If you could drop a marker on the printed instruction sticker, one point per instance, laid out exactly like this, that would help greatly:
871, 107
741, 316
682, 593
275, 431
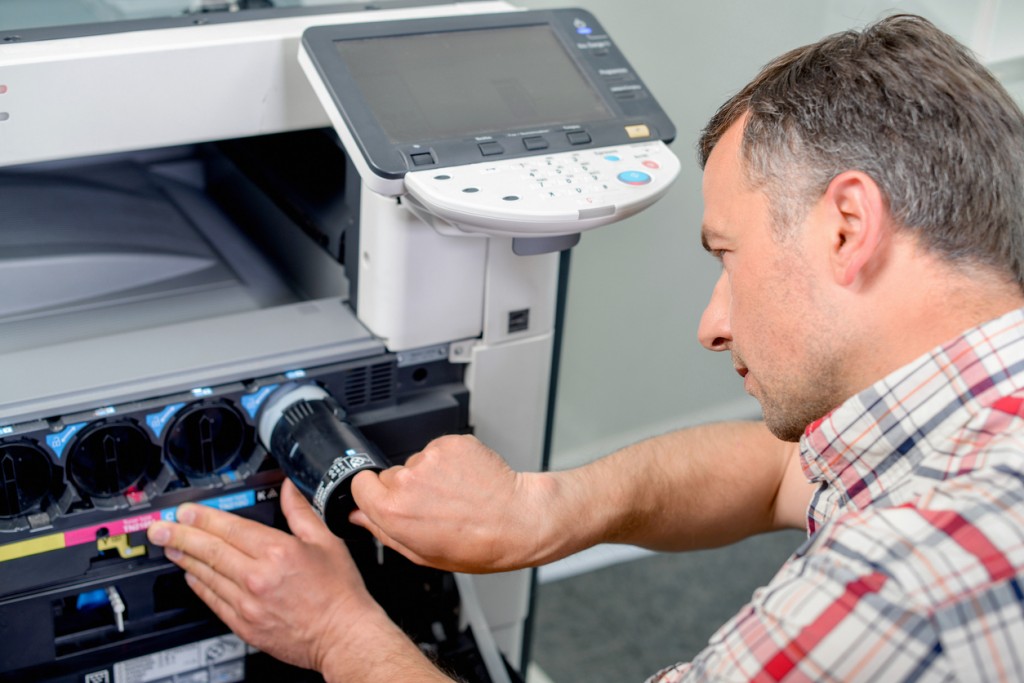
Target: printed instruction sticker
214, 659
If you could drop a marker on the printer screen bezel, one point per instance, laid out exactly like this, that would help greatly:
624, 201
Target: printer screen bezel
389, 159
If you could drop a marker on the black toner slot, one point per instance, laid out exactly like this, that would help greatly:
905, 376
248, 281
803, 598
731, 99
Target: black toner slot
207, 438
112, 458
26, 479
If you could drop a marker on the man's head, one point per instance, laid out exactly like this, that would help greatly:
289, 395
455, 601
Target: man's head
841, 159
909, 106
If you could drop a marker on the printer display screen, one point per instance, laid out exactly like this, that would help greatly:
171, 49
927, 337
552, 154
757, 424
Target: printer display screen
464, 83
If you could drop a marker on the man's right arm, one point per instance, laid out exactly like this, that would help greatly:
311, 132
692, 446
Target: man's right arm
458, 506
695, 488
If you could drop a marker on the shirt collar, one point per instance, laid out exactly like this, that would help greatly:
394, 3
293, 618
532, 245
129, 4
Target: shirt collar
869, 443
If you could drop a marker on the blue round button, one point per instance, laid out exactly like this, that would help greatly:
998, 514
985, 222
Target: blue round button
634, 177
611, 157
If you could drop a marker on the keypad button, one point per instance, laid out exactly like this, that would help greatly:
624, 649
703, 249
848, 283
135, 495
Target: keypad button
634, 177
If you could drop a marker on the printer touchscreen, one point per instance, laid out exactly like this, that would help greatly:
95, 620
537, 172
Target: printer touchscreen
422, 87
526, 124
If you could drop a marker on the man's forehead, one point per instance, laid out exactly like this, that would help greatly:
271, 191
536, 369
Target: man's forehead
732, 206
723, 172
727, 151
723, 184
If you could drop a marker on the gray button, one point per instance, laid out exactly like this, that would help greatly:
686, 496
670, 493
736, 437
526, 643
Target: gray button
422, 159
578, 137
491, 148
535, 142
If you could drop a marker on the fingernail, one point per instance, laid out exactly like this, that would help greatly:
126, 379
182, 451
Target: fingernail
173, 554
159, 534
186, 514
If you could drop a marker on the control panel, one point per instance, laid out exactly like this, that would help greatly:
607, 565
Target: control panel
524, 124
581, 189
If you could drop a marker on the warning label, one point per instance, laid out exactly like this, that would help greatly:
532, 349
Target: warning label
215, 660
342, 468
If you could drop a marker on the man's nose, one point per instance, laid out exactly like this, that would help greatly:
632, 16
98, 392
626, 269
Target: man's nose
715, 331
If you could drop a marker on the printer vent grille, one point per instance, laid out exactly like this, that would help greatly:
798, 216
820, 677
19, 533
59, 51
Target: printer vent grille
369, 384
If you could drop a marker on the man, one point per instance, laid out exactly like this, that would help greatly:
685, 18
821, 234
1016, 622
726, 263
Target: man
864, 195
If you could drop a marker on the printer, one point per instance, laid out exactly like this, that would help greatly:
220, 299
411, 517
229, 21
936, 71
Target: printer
213, 210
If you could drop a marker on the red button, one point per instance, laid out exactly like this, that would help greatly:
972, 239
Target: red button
651, 164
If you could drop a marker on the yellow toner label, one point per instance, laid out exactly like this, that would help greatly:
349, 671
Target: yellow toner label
32, 546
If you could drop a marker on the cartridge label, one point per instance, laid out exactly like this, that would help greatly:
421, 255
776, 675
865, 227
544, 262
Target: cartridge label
214, 659
127, 525
342, 468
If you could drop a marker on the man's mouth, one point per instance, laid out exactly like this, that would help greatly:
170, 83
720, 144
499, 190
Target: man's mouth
744, 372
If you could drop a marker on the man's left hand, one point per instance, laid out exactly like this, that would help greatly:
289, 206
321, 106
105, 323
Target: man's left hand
297, 597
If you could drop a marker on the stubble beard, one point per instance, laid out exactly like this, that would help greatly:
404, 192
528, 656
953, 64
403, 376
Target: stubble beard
789, 404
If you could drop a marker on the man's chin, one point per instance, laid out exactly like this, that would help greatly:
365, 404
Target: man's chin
784, 427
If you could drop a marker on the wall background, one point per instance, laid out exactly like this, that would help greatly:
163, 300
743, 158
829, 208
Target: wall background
631, 363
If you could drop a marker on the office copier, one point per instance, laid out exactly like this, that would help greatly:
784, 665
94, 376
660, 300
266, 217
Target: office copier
214, 211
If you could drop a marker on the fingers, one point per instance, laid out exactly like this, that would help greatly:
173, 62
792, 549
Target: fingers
370, 494
220, 549
302, 518
245, 534
447, 507
214, 568
210, 584
280, 592
221, 607
192, 546
228, 543
360, 518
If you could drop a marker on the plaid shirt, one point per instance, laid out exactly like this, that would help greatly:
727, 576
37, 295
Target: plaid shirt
914, 565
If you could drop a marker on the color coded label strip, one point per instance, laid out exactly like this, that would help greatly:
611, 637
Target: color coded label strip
67, 539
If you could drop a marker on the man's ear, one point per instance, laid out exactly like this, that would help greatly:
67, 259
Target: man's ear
859, 223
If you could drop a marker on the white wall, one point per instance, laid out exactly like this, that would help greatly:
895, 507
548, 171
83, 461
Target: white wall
631, 363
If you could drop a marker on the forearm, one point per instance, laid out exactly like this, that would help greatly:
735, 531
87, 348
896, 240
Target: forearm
386, 655
695, 488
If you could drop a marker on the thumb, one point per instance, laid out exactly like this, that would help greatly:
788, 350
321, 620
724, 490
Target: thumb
370, 493
367, 488
367, 491
302, 519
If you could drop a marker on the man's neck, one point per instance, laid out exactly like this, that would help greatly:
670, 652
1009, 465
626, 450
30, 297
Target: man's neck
921, 306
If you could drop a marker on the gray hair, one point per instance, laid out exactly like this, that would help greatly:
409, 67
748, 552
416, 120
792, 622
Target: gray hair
909, 106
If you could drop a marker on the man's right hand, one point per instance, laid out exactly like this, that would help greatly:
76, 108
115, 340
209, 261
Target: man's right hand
458, 506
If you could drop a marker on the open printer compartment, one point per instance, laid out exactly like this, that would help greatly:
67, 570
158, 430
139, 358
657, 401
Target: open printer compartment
153, 300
